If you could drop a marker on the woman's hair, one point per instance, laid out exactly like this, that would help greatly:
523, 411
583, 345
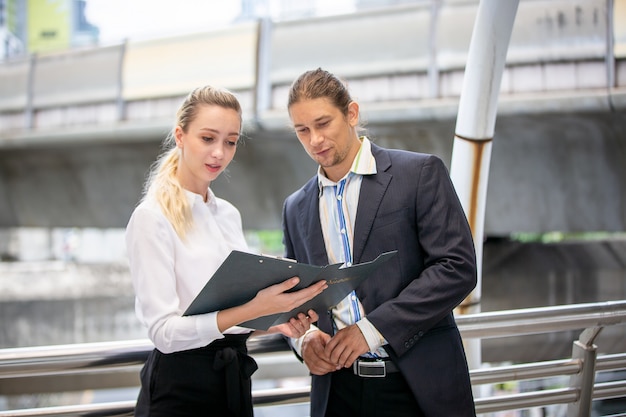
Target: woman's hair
162, 183
320, 84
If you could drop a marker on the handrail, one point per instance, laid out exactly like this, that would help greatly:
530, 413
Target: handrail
72, 358
31, 364
541, 319
44, 360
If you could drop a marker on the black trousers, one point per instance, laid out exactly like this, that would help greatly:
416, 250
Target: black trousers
209, 381
355, 396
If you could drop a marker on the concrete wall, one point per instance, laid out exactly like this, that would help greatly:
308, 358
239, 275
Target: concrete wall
549, 172
79, 129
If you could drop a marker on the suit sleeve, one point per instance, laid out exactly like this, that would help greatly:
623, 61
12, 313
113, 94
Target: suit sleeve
447, 271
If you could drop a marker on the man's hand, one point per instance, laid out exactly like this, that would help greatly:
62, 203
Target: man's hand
313, 353
346, 346
296, 326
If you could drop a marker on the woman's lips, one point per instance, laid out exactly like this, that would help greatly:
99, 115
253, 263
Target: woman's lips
213, 168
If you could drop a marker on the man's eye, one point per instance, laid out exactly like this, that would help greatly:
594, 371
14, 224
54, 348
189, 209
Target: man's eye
303, 130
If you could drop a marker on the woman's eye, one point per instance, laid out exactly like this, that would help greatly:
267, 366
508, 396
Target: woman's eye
231, 143
207, 138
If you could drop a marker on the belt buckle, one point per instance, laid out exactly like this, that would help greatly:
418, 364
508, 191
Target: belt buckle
370, 369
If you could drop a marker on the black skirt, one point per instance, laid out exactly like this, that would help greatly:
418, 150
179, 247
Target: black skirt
209, 381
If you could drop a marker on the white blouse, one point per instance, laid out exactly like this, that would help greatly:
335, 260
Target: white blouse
168, 273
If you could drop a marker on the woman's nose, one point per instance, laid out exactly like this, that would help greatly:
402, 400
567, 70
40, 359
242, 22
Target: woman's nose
218, 151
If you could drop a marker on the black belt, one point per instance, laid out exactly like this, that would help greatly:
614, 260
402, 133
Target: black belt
374, 368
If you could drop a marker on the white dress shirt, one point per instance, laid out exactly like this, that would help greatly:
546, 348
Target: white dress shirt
168, 273
338, 230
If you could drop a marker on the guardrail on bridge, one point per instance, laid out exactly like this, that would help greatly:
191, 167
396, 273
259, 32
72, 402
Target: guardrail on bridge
116, 364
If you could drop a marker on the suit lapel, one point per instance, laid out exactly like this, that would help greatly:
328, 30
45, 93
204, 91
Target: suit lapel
373, 189
309, 219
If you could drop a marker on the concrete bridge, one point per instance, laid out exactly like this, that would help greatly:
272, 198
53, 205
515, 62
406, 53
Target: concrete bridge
79, 129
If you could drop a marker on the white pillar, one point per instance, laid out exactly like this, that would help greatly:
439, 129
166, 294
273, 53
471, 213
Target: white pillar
471, 151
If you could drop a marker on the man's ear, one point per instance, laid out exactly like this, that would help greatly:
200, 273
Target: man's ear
353, 113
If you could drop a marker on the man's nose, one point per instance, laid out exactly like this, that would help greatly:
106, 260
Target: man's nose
316, 137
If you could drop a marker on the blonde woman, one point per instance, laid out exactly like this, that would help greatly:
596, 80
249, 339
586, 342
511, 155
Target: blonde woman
176, 239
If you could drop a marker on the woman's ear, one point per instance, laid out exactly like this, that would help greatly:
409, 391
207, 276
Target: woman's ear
178, 136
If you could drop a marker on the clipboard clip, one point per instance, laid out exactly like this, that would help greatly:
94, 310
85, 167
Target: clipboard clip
278, 257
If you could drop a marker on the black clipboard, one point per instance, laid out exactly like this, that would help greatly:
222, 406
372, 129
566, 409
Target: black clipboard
242, 275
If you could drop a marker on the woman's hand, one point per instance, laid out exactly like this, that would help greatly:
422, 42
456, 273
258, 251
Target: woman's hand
296, 326
274, 299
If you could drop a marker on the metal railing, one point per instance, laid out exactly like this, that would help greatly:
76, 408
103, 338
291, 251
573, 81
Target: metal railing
116, 364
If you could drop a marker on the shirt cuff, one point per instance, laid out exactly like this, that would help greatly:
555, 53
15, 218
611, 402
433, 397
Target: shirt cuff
206, 326
372, 336
296, 344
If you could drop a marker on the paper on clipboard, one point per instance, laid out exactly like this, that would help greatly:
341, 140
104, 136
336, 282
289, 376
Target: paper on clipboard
242, 275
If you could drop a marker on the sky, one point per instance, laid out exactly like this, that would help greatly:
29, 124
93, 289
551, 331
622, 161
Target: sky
144, 19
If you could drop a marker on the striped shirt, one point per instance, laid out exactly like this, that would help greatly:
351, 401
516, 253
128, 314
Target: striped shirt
338, 203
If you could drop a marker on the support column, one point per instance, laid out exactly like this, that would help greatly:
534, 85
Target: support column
471, 151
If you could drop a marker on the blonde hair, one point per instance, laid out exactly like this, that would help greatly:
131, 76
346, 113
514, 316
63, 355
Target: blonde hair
162, 183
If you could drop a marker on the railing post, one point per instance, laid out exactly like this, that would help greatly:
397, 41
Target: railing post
586, 351
433, 64
29, 111
120, 104
263, 82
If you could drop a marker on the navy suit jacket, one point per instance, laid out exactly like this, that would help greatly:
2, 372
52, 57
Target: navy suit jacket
409, 205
